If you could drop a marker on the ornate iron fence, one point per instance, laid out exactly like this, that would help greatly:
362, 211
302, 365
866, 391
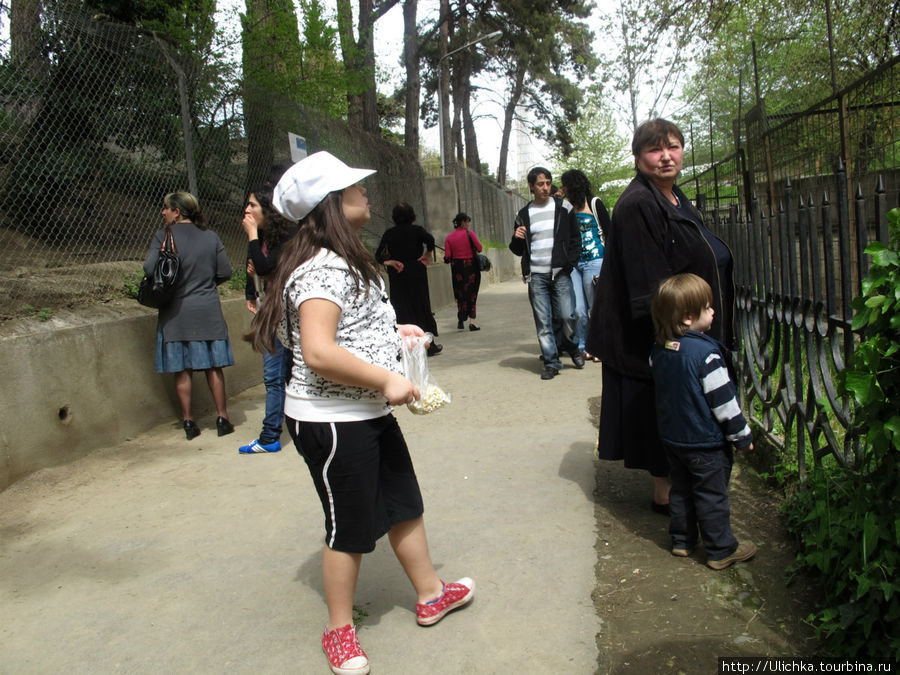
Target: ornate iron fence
795, 280
798, 201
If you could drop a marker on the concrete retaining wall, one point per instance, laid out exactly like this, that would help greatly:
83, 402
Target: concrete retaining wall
87, 382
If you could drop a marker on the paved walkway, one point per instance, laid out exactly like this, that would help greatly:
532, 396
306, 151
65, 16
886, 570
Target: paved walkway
164, 556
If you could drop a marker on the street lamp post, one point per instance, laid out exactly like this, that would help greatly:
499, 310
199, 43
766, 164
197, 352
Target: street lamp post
442, 113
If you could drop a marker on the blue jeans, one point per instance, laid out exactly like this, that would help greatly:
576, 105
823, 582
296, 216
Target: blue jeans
276, 371
553, 306
583, 275
699, 498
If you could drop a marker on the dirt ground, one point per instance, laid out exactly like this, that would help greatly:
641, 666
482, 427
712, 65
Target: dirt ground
662, 614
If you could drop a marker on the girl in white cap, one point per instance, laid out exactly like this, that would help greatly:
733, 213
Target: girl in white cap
341, 328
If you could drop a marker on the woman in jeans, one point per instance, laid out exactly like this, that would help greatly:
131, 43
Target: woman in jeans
267, 230
592, 221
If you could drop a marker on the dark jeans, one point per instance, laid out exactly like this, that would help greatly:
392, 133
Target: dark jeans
276, 371
699, 498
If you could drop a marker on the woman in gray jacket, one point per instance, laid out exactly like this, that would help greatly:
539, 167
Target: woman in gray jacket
191, 333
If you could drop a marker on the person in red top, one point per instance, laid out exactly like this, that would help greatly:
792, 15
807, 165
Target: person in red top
460, 247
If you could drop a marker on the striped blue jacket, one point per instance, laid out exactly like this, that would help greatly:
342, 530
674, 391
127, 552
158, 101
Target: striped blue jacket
696, 401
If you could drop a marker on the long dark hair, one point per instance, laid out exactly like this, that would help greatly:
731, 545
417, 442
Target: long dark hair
578, 188
461, 218
277, 229
325, 227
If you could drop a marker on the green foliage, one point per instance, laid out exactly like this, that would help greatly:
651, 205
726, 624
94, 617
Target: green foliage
42, 314
599, 150
132, 283
238, 280
849, 520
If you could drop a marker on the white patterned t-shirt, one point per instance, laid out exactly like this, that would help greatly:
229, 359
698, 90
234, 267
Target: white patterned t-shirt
367, 327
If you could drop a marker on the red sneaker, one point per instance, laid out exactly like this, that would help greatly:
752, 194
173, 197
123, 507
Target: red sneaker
344, 653
454, 596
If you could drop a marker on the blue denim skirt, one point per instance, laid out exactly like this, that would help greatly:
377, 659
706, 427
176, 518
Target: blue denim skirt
173, 357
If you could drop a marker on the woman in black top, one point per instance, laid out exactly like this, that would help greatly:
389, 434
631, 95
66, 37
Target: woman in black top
405, 250
267, 230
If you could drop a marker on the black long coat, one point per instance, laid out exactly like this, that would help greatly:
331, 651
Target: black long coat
648, 241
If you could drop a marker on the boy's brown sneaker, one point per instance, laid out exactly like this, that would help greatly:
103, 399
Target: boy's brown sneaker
744, 551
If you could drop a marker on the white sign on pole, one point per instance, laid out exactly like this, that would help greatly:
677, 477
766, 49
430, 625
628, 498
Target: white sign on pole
298, 147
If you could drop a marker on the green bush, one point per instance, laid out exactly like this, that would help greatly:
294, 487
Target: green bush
238, 278
132, 283
848, 520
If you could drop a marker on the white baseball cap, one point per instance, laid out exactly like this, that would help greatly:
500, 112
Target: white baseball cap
310, 180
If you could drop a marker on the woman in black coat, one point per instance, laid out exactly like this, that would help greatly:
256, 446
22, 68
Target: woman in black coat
405, 250
655, 233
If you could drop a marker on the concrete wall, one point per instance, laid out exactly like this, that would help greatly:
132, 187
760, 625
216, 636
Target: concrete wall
87, 382
492, 209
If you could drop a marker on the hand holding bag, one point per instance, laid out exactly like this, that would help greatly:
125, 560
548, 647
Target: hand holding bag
156, 290
414, 357
484, 263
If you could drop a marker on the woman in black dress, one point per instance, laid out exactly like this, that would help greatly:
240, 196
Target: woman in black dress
405, 251
655, 233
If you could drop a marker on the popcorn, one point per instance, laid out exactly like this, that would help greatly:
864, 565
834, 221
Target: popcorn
433, 398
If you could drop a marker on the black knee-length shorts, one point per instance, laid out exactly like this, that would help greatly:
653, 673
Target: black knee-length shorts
364, 476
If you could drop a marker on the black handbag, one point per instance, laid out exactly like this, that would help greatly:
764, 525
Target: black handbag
156, 290
484, 263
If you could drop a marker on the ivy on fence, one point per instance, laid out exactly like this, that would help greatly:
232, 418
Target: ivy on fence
848, 522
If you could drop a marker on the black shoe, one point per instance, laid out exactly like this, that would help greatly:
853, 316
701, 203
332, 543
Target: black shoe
661, 509
191, 430
549, 373
460, 324
224, 426
435, 349
577, 358
472, 326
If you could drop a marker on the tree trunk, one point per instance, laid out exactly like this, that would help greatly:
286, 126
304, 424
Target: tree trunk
366, 49
444, 86
352, 64
455, 130
270, 44
508, 116
413, 82
25, 36
471, 140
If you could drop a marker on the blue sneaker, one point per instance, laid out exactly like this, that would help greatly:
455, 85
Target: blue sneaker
255, 446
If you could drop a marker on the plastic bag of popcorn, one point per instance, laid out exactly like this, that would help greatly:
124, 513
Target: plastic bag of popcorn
415, 368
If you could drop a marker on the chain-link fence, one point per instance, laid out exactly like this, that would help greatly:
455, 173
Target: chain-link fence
92, 135
104, 120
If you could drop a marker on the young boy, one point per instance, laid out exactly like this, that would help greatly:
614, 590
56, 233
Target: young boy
699, 420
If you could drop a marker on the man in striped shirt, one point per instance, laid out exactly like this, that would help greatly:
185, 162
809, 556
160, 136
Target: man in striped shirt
549, 244
699, 418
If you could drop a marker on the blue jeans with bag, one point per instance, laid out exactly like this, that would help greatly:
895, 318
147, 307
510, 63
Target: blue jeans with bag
583, 275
